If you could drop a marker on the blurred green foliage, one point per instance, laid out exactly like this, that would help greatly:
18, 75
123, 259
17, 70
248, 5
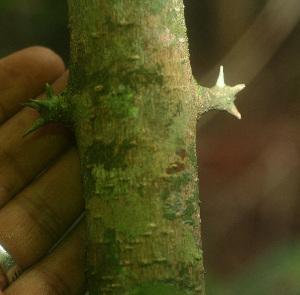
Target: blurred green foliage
34, 22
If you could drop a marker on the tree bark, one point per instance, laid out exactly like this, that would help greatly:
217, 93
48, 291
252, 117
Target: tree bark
133, 106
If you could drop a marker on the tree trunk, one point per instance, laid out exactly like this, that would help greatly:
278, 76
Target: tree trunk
133, 104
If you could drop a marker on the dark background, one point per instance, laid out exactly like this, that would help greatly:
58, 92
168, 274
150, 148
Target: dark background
249, 169
34, 22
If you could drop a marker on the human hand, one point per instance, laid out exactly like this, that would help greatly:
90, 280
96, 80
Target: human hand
36, 210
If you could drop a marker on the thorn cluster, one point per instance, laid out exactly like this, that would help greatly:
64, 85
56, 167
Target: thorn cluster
49, 109
221, 96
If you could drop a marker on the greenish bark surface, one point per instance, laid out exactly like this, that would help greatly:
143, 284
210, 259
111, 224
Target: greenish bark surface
133, 105
133, 102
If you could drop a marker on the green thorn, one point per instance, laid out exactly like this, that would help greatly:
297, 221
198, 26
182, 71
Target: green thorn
35, 104
41, 104
49, 90
30, 105
49, 109
36, 125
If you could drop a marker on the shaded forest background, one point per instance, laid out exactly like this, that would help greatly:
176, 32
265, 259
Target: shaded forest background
249, 170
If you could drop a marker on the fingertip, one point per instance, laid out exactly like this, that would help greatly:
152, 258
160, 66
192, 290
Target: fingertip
35, 65
50, 64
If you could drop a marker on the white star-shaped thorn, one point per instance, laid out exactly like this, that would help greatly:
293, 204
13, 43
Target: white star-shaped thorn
225, 95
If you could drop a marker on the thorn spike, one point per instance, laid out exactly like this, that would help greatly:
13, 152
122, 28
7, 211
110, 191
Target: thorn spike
49, 90
234, 111
39, 103
30, 105
238, 88
220, 81
36, 125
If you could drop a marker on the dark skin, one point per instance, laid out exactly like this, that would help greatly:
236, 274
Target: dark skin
36, 211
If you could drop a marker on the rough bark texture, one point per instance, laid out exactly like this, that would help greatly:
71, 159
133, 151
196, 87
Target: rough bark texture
133, 105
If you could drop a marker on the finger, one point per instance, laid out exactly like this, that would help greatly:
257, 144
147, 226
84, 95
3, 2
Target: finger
23, 75
37, 217
22, 159
60, 273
